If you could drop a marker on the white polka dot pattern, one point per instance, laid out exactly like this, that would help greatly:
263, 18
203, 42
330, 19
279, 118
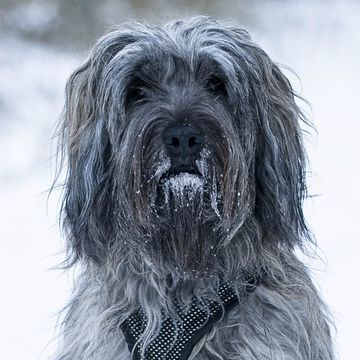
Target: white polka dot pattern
176, 339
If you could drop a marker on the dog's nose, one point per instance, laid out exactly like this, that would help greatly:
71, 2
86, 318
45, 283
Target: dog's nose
183, 140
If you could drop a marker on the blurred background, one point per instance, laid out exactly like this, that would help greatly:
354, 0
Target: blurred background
43, 41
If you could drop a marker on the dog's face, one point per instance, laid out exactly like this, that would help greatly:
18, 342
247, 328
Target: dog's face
184, 151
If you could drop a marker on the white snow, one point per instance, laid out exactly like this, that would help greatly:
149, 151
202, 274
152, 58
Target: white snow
31, 96
163, 167
321, 42
183, 187
202, 165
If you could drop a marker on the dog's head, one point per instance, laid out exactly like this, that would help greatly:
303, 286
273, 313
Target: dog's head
184, 150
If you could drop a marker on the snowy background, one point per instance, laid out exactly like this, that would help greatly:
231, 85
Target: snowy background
41, 42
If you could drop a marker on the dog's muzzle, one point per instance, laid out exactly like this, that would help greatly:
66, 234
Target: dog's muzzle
183, 143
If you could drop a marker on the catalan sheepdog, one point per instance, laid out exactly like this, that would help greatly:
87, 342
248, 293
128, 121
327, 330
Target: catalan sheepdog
182, 204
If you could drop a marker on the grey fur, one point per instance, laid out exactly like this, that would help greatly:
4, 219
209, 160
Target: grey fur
135, 244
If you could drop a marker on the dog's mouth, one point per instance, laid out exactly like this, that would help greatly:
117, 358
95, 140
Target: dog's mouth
182, 185
187, 185
179, 172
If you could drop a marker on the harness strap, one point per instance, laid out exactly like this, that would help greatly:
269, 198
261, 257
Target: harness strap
177, 339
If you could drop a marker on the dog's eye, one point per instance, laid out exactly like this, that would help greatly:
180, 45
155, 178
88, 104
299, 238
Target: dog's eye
216, 86
135, 93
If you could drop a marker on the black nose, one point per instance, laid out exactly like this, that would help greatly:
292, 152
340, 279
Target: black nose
183, 140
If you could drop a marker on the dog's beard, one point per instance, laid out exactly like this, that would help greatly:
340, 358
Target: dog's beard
187, 207
186, 190
183, 189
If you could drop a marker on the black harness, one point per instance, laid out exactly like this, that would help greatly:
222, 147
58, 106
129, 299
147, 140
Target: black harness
176, 340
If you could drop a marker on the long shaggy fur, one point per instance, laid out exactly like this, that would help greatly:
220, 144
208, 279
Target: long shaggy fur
139, 242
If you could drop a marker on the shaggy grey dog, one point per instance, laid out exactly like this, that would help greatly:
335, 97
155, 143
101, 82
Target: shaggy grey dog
183, 201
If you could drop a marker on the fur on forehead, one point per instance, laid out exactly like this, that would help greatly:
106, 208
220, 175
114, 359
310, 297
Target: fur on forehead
181, 51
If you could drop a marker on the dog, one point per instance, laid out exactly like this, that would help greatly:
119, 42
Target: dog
182, 203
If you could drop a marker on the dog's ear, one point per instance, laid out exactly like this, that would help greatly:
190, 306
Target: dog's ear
86, 145
280, 158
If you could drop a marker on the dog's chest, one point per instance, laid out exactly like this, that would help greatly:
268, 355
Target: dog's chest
179, 337
176, 339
